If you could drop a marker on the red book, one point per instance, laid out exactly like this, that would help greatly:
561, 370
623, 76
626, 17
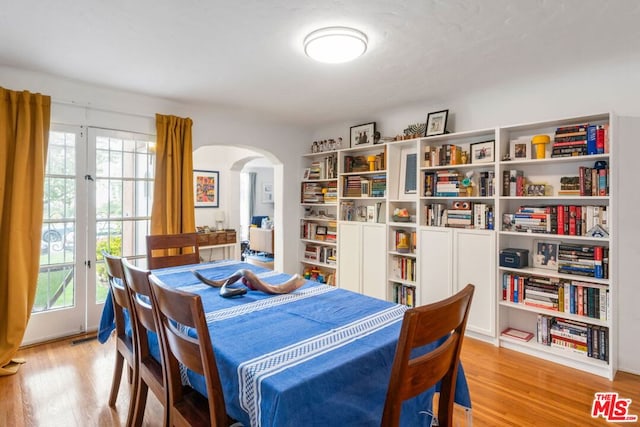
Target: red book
560, 219
572, 220
517, 334
580, 301
600, 140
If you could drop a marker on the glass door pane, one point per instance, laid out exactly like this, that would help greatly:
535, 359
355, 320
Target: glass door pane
124, 169
58, 308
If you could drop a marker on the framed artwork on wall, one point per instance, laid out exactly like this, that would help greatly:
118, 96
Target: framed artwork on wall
267, 193
206, 185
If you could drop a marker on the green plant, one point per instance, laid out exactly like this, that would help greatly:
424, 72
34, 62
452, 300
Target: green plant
113, 246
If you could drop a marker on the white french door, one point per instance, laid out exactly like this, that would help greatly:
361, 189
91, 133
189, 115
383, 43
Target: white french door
98, 192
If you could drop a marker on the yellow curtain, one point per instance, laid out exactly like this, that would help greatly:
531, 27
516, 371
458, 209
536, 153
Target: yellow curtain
24, 138
173, 206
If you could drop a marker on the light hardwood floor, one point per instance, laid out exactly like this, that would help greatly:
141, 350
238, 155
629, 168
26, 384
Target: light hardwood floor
68, 385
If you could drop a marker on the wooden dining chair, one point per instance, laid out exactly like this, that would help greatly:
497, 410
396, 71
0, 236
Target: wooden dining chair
187, 407
445, 322
125, 343
169, 250
151, 373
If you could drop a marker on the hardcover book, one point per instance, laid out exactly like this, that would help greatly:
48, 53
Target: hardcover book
517, 334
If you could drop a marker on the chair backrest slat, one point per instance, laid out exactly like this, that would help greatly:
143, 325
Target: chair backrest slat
170, 250
444, 323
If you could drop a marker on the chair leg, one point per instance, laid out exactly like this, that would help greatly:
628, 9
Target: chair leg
117, 375
131, 413
139, 403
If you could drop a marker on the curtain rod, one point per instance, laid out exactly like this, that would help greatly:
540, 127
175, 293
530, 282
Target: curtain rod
101, 109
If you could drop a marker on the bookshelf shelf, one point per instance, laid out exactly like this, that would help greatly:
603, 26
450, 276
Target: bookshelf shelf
531, 271
564, 315
319, 242
557, 355
562, 160
403, 281
319, 264
317, 218
567, 237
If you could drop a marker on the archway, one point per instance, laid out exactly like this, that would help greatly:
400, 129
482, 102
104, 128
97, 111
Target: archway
229, 161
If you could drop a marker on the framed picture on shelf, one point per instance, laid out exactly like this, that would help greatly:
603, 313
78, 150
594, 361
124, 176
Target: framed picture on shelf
436, 123
535, 190
307, 173
483, 152
545, 254
365, 188
363, 135
408, 174
520, 149
206, 187
321, 230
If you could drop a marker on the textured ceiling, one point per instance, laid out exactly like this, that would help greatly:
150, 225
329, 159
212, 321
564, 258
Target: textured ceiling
248, 54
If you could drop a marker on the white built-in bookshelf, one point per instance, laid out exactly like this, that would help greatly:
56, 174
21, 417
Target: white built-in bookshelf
416, 220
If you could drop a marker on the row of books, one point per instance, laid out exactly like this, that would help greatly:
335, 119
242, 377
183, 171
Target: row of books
325, 168
314, 231
566, 296
593, 181
352, 186
330, 192
312, 192
577, 337
584, 260
580, 140
444, 155
473, 215
403, 268
358, 186
323, 254
404, 294
378, 185
570, 220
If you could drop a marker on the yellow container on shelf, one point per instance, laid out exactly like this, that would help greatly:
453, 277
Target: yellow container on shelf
540, 142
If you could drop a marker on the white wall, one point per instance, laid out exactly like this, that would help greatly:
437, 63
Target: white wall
264, 176
610, 87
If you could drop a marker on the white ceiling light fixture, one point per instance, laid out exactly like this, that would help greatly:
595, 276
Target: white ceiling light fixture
334, 45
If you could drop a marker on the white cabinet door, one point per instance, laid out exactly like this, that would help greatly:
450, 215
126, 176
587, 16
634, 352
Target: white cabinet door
349, 251
374, 282
435, 265
474, 262
361, 248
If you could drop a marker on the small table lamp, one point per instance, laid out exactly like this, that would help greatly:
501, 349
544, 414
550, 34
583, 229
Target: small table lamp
219, 218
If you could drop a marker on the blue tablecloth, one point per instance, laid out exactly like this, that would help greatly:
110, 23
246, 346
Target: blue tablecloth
316, 357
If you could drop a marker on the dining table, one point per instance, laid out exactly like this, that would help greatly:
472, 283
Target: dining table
318, 356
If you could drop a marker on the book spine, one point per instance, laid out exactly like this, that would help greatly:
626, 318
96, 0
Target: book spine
591, 139
600, 140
